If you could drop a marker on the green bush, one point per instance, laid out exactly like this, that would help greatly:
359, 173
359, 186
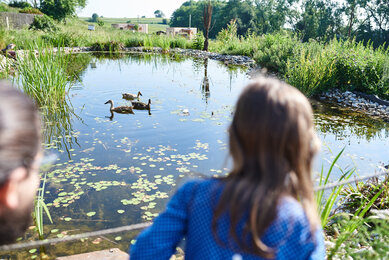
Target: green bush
43, 23
30, 10
198, 41
63, 39
4, 7
178, 42
312, 74
19, 4
274, 51
111, 46
100, 22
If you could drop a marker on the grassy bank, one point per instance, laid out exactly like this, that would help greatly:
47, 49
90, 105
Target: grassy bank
155, 24
312, 67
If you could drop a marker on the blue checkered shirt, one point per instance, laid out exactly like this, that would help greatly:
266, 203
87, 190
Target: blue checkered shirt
189, 215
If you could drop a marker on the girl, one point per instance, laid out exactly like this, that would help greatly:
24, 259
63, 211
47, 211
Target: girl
265, 207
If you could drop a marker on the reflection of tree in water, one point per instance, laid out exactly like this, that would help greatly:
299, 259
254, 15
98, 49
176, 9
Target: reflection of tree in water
345, 123
58, 130
205, 83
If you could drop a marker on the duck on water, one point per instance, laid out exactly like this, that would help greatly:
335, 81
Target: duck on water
120, 109
141, 105
131, 96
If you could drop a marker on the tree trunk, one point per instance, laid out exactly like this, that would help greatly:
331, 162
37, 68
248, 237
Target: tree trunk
207, 16
351, 21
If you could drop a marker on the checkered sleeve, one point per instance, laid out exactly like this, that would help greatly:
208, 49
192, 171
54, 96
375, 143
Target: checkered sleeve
161, 239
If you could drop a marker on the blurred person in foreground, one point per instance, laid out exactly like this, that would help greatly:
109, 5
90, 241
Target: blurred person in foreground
265, 207
20, 155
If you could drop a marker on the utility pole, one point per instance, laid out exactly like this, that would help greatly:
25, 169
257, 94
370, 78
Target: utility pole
190, 20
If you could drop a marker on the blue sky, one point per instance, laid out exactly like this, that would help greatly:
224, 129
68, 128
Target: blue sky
129, 8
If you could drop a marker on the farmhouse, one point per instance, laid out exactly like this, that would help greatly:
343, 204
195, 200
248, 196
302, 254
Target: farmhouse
187, 32
144, 28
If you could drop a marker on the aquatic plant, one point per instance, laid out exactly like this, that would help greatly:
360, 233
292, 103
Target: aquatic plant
41, 206
353, 197
326, 202
312, 74
352, 223
41, 74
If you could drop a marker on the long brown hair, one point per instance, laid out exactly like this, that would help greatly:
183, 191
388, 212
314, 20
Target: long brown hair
272, 144
20, 130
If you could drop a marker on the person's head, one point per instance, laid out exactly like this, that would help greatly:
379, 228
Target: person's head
20, 152
272, 143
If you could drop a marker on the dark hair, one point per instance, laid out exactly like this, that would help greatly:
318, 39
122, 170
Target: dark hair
20, 130
272, 144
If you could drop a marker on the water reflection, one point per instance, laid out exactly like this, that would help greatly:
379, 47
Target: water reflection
205, 83
344, 123
58, 131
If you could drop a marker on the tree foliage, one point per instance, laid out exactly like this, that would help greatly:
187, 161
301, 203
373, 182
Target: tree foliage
159, 14
60, 9
321, 20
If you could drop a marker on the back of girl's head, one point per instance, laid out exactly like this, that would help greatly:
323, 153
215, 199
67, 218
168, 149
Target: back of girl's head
272, 143
20, 134
272, 133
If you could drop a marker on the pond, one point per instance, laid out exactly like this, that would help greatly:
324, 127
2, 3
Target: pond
121, 169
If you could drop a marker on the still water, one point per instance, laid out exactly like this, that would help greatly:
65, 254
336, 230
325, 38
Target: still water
121, 169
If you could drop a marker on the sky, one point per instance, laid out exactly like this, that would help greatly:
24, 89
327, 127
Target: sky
129, 8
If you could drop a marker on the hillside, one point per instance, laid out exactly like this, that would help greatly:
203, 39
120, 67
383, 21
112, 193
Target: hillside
155, 24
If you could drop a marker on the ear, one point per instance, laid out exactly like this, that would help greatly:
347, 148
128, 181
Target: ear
9, 195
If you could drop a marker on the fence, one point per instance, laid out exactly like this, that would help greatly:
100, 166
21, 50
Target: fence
15, 20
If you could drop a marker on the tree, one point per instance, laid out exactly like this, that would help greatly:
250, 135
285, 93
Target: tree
60, 9
272, 15
95, 18
159, 14
320, 20
207, 19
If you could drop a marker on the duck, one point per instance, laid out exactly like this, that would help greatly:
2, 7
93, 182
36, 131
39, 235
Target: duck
141, 105
120, 109
131, 96
9, 52
9, 47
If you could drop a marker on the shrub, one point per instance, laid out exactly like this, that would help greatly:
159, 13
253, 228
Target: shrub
64, 39
178, 42
100, 22
274, 51
44, 23
30, 10
4, 7
312, 74
111, 46
164, 21
19, 4
198, 41
354, 197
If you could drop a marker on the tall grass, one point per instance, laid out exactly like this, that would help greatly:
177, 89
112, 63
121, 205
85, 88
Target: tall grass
40, 207
326, 202
311, 73
41, 74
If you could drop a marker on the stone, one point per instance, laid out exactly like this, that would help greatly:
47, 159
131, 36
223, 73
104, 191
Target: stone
108, 254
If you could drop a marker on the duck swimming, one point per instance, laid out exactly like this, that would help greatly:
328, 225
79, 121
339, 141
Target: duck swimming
131, 96
141, 105
120, 109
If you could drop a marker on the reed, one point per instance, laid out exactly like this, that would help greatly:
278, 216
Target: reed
41, 73
326, 202
40, 206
